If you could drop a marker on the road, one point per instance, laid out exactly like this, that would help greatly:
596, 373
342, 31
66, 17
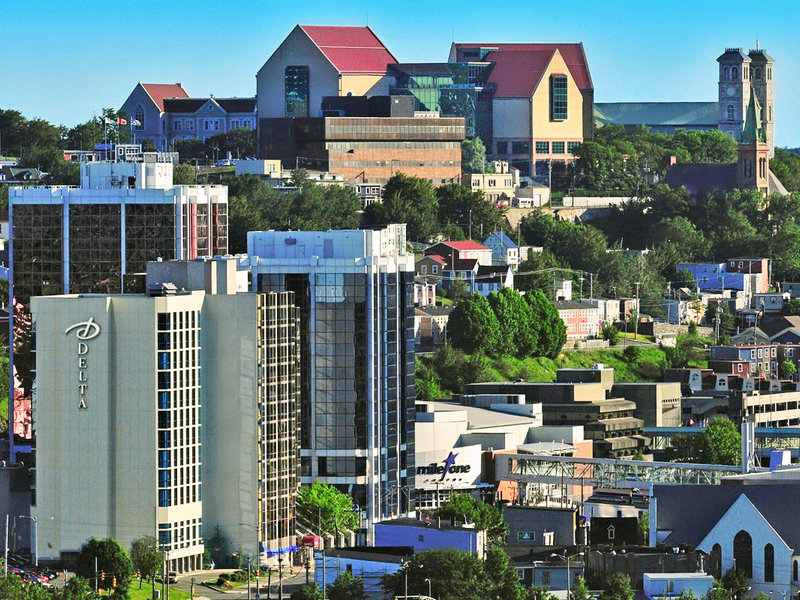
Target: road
290, 584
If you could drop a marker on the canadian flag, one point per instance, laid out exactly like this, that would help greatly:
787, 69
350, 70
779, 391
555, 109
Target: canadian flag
122, 121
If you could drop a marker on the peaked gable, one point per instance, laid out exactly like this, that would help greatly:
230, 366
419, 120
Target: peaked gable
351, 50
742, 514
159, 91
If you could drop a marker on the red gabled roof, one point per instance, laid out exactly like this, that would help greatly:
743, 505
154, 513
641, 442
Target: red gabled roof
159, 91
467, 245
437, 258
351, 49
519, 67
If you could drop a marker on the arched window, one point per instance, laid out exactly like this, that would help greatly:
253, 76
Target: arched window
726, 73
735, 72
716, 561
731, 113
769, 563
758, 73
743, 553
139, 116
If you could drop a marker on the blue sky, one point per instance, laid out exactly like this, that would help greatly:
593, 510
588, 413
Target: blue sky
64, 61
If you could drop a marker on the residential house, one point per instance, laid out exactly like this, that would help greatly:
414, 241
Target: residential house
581, 318
684, 307
628, 307
430, 325
770, 303
432, 264
562, 289
540, 107
751, 266
463, 269
145, 104
493, 279
498, 187
461, 250
781, 329
746, 525
19, 175
746, 360
665, 585
504, 250
424, 292
790, 353
608, 309
531, 195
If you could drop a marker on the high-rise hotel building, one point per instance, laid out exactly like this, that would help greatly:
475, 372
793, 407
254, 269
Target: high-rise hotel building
168, 414
353, 289
93, 237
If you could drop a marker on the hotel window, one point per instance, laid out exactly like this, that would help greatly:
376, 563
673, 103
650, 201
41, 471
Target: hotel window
558, 97
296, 91
572, 147
558, 147
542, 147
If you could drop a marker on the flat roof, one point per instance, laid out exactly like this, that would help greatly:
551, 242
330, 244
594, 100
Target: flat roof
479, 418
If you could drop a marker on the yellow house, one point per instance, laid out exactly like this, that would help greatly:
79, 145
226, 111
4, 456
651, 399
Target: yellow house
541, 106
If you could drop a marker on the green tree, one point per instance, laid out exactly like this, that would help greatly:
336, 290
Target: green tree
792, 307
618, 587
518, 329
456, 575
539, 592
721, 443
77, 588
553, 331
146, 558
323, 506
684, 278
473, 155
190, 149
347, 587
579, 591
460, 206
307, 592
412, 200
111, 559
467, 508
787, 369
473, 326
735, 582
611, 334
631, 354
458, 290
183, 174
426, 384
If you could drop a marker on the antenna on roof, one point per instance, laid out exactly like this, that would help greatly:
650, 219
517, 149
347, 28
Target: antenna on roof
367, 18
756, 43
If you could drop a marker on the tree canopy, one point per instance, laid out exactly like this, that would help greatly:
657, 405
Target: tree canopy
323, 507
467, 508
146, 557
719, 443
111, 560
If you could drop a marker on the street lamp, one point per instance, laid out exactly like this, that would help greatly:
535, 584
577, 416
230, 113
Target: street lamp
430, 593
35, 537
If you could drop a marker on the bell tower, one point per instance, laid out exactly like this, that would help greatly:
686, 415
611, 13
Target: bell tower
753, 151
761, 67
734, 90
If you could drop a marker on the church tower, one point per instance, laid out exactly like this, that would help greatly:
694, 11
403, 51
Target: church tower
761, 65
734, 90
753, 151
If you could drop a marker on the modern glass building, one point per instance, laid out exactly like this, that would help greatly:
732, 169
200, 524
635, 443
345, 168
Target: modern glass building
144, 402
95, 237
450, 89
353, 290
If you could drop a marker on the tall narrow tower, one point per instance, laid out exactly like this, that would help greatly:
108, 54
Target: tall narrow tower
761, 66
753, 151
734, 90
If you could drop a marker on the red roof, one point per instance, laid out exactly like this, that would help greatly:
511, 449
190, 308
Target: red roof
467, 245
436, 257
519, 67
159, 91
351, 49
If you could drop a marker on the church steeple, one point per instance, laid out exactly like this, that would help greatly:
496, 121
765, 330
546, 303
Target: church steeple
753, 151
753, 127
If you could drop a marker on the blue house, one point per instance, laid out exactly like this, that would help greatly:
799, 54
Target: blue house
504, 250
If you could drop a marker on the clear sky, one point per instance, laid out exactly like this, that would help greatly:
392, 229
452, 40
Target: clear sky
64, 61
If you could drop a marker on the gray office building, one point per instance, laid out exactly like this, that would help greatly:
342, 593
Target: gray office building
353, 290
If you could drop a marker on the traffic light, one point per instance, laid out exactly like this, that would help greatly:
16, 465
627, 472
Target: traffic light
102, 576
113, 582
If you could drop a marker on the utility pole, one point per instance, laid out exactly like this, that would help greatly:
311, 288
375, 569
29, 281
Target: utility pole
5, 563
280, 576
716, 322
636, 323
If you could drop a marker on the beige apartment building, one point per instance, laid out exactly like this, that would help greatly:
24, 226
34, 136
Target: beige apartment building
167, 414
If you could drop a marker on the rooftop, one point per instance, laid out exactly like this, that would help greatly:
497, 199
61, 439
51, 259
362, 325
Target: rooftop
159, 91
480, 418
351, 49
